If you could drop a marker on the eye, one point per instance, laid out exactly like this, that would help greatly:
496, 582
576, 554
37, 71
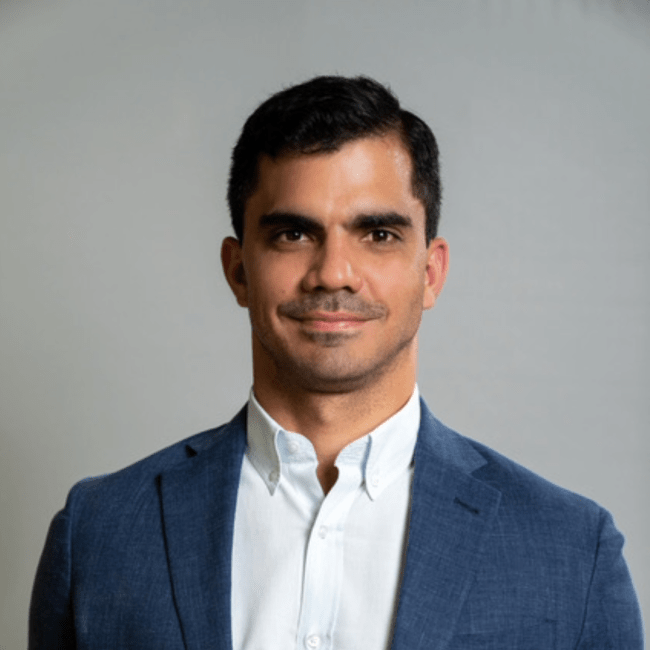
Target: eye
382, 236
292, 235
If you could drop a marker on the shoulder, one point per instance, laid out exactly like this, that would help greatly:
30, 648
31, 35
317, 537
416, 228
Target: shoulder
549, 508
523, 494
132, 483
538, 538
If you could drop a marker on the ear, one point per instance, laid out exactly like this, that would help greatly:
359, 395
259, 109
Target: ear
233, 269
436, 271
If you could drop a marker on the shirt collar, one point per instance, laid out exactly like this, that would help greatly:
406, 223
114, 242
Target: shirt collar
382, 455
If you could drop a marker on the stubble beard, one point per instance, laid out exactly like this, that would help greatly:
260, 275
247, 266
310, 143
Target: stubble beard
325, 362
329, 368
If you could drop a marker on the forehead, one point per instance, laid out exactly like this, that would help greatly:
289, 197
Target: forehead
365, 175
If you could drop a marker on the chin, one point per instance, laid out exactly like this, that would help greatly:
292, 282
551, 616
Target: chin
331, 383
333, 373
331, 362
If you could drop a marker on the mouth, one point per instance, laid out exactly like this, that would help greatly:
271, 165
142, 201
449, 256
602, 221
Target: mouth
332, 321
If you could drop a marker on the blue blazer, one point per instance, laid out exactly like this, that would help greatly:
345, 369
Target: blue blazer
497, 558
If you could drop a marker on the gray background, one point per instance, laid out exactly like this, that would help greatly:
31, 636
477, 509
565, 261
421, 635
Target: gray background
118, 334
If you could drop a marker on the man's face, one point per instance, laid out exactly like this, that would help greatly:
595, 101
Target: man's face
334, 268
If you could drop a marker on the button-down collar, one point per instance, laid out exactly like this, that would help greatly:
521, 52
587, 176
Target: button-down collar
379, 457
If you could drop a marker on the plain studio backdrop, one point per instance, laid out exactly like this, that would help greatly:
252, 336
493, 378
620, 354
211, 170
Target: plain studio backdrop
118, 333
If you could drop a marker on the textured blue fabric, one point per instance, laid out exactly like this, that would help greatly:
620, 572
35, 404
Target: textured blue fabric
497, 558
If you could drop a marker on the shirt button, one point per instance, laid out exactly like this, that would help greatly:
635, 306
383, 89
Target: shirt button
374, 479
313, 641
274, 476
322, 533
293, 446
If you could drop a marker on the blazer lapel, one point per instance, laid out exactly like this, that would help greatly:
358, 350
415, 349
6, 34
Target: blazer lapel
451, 512
198, 503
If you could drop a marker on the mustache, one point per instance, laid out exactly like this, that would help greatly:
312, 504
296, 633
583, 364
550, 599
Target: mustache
332, 302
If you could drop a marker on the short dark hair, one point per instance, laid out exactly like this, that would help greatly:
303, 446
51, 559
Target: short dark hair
321, 115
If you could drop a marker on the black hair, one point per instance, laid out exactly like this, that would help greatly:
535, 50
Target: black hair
321, 115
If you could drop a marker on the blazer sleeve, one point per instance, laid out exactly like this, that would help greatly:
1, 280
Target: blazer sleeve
612, 615
50, 614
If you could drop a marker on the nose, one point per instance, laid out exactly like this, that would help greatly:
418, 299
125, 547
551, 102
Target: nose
333, 268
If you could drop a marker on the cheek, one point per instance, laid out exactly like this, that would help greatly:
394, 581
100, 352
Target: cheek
273, 282
397, 281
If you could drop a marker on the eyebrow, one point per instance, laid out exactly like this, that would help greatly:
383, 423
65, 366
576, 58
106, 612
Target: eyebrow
290, 220
381, 220
360, 222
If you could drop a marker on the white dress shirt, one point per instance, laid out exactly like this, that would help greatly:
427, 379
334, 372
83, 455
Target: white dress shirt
315, 571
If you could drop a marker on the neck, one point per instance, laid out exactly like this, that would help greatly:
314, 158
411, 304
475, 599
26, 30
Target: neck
331, 421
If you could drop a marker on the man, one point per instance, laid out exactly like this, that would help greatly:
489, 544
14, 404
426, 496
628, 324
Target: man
334, 511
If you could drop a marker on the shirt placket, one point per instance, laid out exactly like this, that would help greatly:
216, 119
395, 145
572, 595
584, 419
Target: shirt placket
323, 570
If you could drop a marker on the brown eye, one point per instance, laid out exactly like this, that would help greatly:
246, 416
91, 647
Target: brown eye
380, 236
290, 235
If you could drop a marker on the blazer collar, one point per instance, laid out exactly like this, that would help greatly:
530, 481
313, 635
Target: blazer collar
198, 502
451, 513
